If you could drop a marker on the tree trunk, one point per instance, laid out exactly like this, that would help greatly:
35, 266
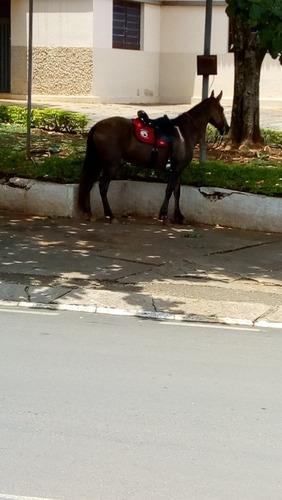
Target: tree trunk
248, 54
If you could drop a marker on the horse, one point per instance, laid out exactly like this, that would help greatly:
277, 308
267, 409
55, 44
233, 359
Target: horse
112, 142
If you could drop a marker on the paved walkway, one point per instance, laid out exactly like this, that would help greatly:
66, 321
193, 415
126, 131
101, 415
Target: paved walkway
270, 117
143, 268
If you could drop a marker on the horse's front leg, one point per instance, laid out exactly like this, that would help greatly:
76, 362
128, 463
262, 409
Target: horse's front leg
103, 188
169, 189
178, 216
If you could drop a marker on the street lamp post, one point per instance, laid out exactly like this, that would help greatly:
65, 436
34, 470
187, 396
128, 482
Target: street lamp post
208, 61
29, 79
207, 45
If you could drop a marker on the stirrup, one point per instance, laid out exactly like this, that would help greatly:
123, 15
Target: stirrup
168, 164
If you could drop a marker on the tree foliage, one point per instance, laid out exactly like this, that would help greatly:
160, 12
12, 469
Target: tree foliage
265, 19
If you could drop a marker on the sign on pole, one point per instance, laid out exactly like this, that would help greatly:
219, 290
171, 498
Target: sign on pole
206, 65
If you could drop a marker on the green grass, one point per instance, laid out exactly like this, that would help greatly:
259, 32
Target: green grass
63, 166
255, 179
58, 157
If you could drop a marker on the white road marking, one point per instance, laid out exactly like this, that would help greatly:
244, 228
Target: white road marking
20, 497
29, 311
222, 326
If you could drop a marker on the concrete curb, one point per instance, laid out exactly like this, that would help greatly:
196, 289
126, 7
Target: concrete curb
200, 205
161, 316
38, 198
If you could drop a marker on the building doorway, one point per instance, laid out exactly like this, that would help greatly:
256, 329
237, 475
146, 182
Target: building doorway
5, 45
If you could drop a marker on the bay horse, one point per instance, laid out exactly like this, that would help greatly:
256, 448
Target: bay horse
112, 141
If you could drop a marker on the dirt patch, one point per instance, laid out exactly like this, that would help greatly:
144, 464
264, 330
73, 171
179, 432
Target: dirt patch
243, 155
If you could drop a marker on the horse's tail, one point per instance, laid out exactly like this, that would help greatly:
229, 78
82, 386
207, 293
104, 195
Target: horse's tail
90, 173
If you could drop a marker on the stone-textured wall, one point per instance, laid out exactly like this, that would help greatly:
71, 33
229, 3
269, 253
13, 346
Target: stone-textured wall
56, 71
18, 71
62, 70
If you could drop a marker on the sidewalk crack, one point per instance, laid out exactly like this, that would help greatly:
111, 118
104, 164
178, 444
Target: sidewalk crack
271, 310
238, 249
63, 294
27, 293
154, 305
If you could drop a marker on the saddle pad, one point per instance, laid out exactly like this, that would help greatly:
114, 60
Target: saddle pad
146, 134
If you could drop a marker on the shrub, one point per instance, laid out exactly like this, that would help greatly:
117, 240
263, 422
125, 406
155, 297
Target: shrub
13, 114
4, 115
272, 137
212, 134
58, 121
47, 119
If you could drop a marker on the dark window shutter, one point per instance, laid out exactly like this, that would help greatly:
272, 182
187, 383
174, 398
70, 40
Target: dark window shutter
126, 25
5, 55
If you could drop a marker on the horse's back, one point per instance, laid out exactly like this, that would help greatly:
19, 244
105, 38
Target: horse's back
115, 125
112, 135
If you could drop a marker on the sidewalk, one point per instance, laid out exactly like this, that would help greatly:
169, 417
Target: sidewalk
270, 117
142, 268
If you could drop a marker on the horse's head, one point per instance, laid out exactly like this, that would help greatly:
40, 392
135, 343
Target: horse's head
217, 117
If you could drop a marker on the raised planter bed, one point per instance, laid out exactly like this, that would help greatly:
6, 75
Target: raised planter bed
199, 205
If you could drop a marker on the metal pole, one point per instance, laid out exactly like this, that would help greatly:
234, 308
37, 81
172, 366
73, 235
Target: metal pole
29, 79
207, 51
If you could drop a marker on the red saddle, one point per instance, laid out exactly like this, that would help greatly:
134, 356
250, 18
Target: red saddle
147, 134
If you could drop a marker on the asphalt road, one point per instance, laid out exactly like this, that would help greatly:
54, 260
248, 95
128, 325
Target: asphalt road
116, 408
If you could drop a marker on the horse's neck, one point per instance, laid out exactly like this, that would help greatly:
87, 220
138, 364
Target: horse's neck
200, 114
198, 117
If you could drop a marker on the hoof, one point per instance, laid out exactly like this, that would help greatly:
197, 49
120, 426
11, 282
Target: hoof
167, 222
111, 219
162, 217
114, 220
85, 216
179, 219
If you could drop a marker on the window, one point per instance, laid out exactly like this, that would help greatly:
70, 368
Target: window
126, 25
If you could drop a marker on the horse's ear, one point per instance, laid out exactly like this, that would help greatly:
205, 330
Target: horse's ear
212, 94
218, 98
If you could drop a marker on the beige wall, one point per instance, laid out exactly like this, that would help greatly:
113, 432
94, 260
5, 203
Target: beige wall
63, 23
126, 75
182, 39
19, 37
62, 47
270, 82
73, 54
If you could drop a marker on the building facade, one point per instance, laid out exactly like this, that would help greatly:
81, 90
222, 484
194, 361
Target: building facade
118, 51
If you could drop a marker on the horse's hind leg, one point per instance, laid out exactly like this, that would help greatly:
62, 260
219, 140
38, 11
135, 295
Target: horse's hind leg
169, 189
178, 216
85, 186
103, 187
90, 173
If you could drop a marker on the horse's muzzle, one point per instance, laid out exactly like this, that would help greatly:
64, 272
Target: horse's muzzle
225, 129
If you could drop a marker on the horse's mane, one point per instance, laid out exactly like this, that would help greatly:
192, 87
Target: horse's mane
191, 113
